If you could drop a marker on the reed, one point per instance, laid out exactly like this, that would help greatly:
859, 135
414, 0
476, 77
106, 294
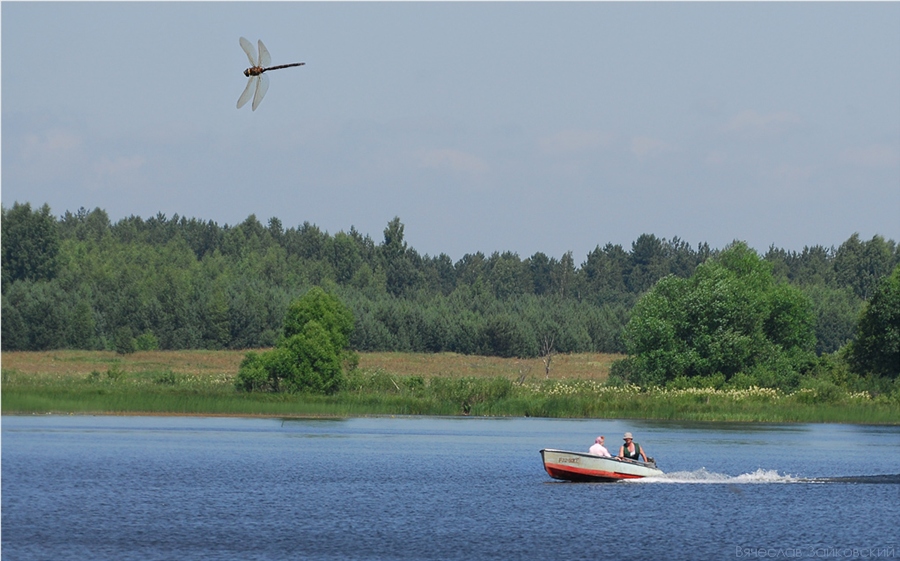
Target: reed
163, 385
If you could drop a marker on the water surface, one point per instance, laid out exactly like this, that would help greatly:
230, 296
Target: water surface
438, 488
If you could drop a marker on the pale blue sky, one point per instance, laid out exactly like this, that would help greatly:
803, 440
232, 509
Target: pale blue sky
484, 126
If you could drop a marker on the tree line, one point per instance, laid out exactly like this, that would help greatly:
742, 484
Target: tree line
82, 281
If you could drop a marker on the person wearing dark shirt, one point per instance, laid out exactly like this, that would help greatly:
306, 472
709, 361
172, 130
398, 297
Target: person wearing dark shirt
631, 450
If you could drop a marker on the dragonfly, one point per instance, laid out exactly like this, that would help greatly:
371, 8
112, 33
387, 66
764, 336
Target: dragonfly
258, 84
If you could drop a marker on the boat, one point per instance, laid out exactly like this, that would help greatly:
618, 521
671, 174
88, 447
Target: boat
576, 466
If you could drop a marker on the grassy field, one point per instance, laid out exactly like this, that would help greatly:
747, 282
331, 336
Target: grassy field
202, 364
201, 383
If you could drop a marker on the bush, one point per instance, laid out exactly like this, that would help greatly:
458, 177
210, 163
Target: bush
115, 373
729, 317
309, 361
310, 356
815, 391
167, 378
146, 342
252, 375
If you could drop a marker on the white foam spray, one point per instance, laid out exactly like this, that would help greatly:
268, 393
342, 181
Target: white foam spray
702, 475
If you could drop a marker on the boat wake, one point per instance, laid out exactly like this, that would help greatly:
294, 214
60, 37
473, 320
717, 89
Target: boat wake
701, 476
890, 479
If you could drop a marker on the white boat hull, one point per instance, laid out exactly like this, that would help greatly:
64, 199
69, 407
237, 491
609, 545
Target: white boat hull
576, 466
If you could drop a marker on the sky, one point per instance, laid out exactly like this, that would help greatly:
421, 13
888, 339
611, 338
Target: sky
507, 126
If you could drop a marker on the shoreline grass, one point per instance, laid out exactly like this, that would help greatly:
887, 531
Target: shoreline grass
201, 383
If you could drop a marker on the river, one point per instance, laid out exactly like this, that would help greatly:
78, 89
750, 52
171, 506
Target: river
423, 488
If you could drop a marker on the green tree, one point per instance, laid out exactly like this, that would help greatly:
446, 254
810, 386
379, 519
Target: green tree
345, 257
214, 318
876, 349
440, 274
94, 226
309, 242
324, 308
30, 244
648, 263
311, 354
563, 275
541, 272
124, 341
398, 260
507, 336
814, 266
605, 272
730, 317
38, 316
82, 328
860, 265
471, 268
837, 314
314, 359
507, 275
13, 329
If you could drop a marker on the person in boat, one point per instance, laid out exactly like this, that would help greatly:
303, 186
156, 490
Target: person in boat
631, 450
598, 449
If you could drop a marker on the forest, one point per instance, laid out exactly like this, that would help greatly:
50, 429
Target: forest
80, 281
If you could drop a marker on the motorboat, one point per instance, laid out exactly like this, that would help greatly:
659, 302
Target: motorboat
577, 466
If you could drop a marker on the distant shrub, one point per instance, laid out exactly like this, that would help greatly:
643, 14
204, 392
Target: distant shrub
146, 341
414, 383
815, 391
115, 373
167, 378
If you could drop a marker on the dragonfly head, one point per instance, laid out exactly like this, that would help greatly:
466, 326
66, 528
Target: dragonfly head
247, 72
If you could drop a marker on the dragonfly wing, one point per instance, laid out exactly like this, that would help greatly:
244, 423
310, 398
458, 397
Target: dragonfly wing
265, 59
262, 86
248, 91
251, 52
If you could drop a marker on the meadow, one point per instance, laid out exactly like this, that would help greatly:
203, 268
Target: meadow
201, 383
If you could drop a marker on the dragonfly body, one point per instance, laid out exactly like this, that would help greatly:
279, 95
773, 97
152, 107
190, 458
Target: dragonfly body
258, 84
257, 70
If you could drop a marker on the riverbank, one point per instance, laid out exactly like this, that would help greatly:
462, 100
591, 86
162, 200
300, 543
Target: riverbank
201, 383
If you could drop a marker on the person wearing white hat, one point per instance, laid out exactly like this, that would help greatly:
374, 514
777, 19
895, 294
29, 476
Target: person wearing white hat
631, 450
